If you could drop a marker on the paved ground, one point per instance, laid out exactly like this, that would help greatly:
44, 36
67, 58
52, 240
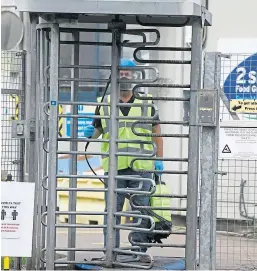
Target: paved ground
236, 252
93, 239
233, 252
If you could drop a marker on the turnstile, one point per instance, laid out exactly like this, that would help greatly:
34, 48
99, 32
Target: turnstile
51, 20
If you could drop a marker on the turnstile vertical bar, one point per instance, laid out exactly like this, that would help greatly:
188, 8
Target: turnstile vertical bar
45, 82
111, 198
41, 131
194, 147
53, 131
39, 138
209, 167
73, 147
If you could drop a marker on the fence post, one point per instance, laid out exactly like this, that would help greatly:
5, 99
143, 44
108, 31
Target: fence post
194, 145
209, 169
53, 133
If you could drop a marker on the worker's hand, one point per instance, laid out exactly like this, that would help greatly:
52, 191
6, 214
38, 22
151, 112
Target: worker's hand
159, 166
89, 131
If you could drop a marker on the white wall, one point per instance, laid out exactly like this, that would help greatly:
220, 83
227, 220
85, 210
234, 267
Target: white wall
172, 111
231, 19
5, 3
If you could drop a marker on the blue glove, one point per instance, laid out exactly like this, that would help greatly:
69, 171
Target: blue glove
158, 166
89, 131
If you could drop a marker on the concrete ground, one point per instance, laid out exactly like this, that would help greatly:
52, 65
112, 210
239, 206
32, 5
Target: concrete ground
233, 252
236, 252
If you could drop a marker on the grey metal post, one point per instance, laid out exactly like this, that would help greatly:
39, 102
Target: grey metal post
193, 155
23, 117
22, 101
209, 168
45, 98
27, 48
73, 147
111, 199
51, 202
37, 155
40, 103
30, 45
46, 131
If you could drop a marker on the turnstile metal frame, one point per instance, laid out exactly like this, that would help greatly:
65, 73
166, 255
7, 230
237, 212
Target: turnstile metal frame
130, 12
161, 13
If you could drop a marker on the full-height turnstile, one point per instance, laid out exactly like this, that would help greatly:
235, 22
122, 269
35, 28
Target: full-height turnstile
50, 20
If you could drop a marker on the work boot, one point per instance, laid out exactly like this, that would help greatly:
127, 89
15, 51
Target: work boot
143, 258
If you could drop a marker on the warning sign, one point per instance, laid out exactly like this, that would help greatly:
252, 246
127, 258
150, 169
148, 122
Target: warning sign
10, 226
243, 106
17, 213
237, 142
226, 149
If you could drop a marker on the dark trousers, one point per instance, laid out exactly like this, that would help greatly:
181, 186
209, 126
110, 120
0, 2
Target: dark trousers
140, 200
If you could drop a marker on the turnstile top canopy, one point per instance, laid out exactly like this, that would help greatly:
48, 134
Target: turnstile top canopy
101, 11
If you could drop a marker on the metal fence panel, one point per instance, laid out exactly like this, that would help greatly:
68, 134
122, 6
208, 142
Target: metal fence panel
236, 198
12, 108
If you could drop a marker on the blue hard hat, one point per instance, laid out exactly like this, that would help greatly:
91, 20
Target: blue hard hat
125, 62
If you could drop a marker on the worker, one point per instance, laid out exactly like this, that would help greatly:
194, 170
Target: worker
101, 127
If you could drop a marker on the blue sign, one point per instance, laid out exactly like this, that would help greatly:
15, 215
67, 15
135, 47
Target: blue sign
241, 82
82, 124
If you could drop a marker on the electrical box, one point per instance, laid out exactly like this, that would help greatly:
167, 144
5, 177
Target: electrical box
207, 107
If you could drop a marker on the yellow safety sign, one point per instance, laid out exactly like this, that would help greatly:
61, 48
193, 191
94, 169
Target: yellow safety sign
243, 106
60, 122
15, 98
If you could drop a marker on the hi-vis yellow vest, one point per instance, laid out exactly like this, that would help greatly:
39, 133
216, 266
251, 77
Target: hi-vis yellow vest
125, 133
161, 189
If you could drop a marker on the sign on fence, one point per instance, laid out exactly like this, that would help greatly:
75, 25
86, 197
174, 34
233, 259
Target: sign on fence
82, 122
241, 81
243, 106
238, 140
239, 76
17, 206
82, 125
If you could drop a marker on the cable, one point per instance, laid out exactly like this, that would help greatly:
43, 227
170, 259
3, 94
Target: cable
97, 112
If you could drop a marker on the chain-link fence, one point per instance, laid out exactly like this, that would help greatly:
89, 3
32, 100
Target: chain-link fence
12, 108
237, 191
